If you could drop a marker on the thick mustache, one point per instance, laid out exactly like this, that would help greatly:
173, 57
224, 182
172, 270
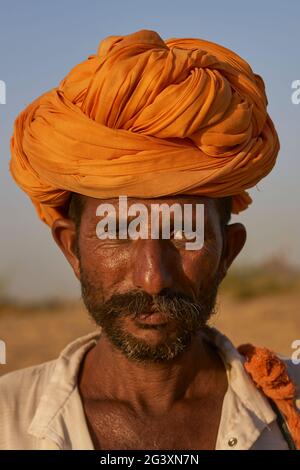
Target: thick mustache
136, 303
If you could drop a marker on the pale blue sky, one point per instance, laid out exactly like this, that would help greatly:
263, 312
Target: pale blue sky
41, 41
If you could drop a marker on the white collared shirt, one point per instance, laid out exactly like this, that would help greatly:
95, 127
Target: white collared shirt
41, 407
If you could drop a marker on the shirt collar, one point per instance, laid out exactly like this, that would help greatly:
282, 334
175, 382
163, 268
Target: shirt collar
61, 404
245, 411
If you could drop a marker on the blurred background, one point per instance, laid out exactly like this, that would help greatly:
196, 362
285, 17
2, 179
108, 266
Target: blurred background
40, 307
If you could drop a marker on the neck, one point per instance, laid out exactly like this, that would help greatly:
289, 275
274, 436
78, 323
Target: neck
107, 373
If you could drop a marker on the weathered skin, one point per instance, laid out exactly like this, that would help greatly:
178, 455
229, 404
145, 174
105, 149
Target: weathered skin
170, 405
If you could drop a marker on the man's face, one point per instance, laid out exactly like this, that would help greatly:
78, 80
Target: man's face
123, 281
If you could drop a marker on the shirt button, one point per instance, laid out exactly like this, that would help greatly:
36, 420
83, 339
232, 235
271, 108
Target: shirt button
232, 441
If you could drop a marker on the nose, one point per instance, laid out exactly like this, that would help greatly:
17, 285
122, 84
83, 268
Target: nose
154, 266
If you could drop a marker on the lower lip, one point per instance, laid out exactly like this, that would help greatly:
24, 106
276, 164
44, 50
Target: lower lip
152, 319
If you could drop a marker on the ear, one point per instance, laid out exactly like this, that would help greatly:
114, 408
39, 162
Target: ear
64, 233
234, 240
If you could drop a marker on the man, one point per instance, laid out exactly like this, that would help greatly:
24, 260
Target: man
176, 122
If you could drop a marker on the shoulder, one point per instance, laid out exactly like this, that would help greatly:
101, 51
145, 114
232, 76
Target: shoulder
24, 382
20, 393
37, 392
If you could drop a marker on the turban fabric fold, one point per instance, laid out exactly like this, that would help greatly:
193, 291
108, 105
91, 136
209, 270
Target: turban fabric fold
146, 118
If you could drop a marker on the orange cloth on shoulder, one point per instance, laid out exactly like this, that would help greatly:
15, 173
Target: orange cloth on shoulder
271, 376
146, 118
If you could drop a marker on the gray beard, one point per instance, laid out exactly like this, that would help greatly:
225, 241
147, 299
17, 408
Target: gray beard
189, 316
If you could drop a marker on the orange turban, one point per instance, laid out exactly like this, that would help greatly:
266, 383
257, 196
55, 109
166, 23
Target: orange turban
146, 118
